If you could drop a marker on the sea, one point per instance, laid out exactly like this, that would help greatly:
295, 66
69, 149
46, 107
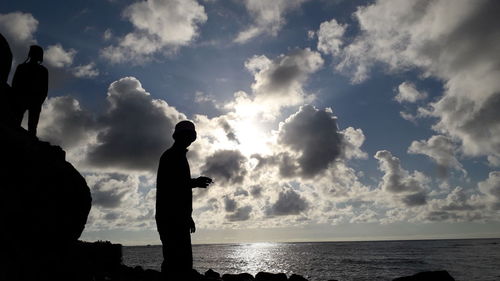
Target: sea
465, 260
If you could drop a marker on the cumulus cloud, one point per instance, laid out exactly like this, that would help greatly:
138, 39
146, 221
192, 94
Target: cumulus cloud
86, 71
313, 134
225, 166
109, 191
279, 82
57, 56
135, 130
240, 214
159, 25
407, 92
491, 187
424, 35
400, 182
268, 17
441, 150
416, 199
312, 142
330, 35
64, 122
289, 203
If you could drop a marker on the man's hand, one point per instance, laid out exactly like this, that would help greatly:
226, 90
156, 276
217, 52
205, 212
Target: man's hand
192, 226
202, 182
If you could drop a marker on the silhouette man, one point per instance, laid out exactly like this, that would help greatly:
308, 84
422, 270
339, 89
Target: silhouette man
174, 204
30, 84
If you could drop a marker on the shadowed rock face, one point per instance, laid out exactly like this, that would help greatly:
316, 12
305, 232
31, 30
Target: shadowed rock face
44, 204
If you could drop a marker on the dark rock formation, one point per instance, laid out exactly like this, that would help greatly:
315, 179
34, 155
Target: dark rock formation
442, 275
212, 274
266, 276
44, 204
238, 277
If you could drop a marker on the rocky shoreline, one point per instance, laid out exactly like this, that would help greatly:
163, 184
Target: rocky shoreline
103, 261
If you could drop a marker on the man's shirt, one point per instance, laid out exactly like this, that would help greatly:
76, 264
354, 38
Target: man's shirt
173, 187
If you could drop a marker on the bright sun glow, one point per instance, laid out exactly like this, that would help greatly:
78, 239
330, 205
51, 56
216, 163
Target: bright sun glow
251, 137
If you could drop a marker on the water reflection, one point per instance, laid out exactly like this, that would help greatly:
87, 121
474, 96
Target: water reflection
255, 257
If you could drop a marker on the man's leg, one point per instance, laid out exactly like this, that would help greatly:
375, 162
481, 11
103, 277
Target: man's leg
177, 254
34, 116
163, 239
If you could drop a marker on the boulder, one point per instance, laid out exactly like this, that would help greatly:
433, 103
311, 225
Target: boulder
212, 274
238, 277
442, 275
266, 276
44, 204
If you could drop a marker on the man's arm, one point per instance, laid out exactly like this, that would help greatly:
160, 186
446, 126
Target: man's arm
201, 182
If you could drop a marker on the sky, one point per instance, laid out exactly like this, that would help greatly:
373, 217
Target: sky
319, 120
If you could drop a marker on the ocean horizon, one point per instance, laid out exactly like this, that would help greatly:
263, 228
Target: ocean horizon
464, 259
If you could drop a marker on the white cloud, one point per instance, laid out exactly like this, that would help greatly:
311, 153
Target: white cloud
86, 71
278, 83
454, 41
159, 25
57, 56
441, 150
107, 35
407, 92
330, 35
491, 187
268, 17
19, 29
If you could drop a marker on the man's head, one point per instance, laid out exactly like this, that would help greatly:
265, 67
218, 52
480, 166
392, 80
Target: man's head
184, 133
36, 53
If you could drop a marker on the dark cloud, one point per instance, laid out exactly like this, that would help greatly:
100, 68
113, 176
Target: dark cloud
109, 191
416, 199
64, 122
396, 179
135, 130
256, 191
241, 214
225, 166
229, 204
314, 135
230, 134
289, 203
111, 216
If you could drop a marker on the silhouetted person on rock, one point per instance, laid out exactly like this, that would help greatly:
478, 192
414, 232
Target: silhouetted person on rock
30, 84
5, 61
5, 90
174, 204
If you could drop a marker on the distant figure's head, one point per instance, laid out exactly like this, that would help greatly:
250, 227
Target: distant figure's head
35, 54
5, 59
184, 133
